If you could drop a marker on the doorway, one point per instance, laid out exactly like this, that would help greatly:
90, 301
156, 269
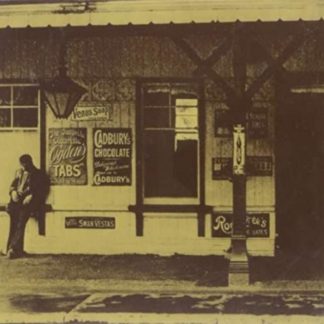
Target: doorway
300, 172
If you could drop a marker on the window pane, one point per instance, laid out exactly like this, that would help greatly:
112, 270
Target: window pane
184, 90
184, 102
4, 96
184, 98
5, 118
186, 117
25, 117
25, 96
157, 117
157, 96
186, 122
170, 165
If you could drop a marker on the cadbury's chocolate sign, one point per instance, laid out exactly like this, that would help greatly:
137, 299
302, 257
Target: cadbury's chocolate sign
112, 156
67, 156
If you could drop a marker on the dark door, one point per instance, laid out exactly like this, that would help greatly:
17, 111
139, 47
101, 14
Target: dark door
300, 172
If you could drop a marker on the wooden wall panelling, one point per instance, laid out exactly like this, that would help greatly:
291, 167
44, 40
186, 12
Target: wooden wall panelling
136, 58
183, 65
255, 69
16, 57
32, 60
116, 114
209, 153
165, 68
82, 58
260, 189
73, 55
176, 63
204, 44
303, 58
107, 56
115, 48
96, 57
2, 57
37, 59
218, 192
51, 60
126, 62
151, 55
224, 67
43, 51
89, 63
8, 55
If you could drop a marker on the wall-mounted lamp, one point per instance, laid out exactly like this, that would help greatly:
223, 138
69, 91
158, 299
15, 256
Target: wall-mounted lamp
62, 93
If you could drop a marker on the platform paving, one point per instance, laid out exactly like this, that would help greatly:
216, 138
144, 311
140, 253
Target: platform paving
152, 289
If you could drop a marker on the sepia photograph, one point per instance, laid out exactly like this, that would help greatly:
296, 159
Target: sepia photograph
162, 161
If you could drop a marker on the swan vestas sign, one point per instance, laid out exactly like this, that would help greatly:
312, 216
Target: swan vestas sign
90, 222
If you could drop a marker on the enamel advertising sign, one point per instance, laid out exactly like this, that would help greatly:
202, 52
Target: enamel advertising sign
257, 225
67, 156
112, 157
90, 222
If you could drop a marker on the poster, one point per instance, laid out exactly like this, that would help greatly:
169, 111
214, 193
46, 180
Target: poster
90, 222
223, 123
90, 112
257, 225
256, 166
260, 166
257, 123
222, 168
67, 156
112, 157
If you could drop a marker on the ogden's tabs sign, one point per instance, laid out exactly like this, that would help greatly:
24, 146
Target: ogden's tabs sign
68, 156
112, 156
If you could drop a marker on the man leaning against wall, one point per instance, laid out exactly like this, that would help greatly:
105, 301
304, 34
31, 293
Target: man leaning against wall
28, 193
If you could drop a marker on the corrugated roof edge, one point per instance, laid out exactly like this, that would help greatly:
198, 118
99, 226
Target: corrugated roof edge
21, 13
26, 2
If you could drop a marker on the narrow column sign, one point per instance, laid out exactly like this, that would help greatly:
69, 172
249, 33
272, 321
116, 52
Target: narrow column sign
112, 156
239, 150
67, 156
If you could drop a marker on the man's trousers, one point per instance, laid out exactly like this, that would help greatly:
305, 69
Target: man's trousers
19, 216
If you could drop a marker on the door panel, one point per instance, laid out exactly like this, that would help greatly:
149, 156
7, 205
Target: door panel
300, 172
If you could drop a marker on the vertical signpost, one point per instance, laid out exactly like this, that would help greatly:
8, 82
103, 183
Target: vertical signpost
238, 268
239, 265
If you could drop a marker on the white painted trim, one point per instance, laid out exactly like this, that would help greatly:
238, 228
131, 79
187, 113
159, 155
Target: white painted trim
311, 89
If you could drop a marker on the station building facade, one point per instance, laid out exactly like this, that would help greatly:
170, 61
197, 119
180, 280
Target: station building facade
144, 162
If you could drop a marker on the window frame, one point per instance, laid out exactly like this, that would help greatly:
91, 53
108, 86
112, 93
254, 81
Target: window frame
140, 127
12, 106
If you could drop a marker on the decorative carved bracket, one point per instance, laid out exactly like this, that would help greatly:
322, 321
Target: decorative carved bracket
239, 93
204, 66
275, 64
